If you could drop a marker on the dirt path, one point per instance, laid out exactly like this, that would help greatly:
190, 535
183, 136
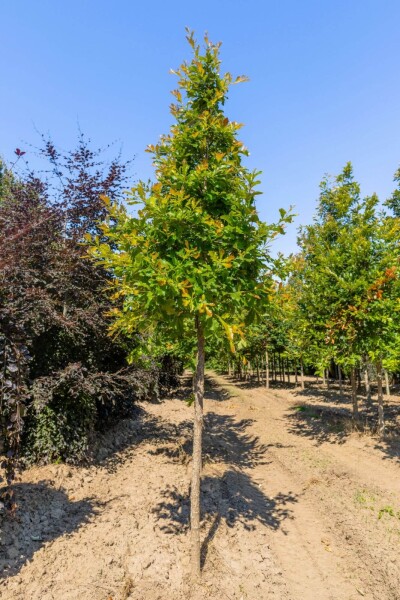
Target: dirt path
291, 510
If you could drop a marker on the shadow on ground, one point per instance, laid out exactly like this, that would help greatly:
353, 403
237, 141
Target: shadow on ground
232, 498
224, 440
43, 514
322, 423
325, 415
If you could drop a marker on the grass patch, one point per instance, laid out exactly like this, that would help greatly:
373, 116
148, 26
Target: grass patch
365, 499
390, 511
308, 411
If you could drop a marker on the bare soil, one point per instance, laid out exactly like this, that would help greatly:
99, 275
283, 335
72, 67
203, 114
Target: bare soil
295, 506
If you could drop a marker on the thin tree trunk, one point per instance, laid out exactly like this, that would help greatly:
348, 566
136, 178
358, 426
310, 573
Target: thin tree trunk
197, 453
288, 370
354, 394
258, 372
302, 373
340, 382
367, 384
381, 420
327, 379
324, 378
266, 370
296, 381
387, 383
359, 379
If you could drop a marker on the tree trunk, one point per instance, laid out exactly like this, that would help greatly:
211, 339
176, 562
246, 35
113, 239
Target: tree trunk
354, 394
367, 384
302, 373
327, 379
288, 370
359, 379
296, 381
258, 372
387, 383
381, 420
266, 370
340, 382
197, 453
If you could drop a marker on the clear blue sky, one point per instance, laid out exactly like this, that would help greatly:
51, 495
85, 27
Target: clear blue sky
324, 89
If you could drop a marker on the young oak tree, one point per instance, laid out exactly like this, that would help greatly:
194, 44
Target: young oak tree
193, 262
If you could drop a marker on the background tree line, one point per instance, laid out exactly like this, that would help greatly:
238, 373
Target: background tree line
335, 309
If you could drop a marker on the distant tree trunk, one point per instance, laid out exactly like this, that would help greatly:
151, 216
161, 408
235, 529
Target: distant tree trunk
387, 383
288, 370
302, 373
197, 453
340, 381
324, 378
327, 379
258, 371
367, 384
354, 398
359, 379
266, 370
381, 420
296, 381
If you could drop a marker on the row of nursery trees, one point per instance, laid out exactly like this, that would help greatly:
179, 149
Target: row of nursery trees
335, 308
189, 273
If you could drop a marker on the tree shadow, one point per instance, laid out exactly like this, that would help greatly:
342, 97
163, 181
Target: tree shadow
334, 425
232, 498
224, 440
43, 514
319, 423
331, 395
214, 391
390, 447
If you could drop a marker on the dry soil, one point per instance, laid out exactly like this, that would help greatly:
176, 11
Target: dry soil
295, 507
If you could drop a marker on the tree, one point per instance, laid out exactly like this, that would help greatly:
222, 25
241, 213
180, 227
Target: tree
349, 278
394, 201
193, 262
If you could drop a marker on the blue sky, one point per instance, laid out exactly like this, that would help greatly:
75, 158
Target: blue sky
324, 84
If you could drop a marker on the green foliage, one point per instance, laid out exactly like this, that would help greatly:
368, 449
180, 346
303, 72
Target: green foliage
196, 248
349, 275
394, 201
